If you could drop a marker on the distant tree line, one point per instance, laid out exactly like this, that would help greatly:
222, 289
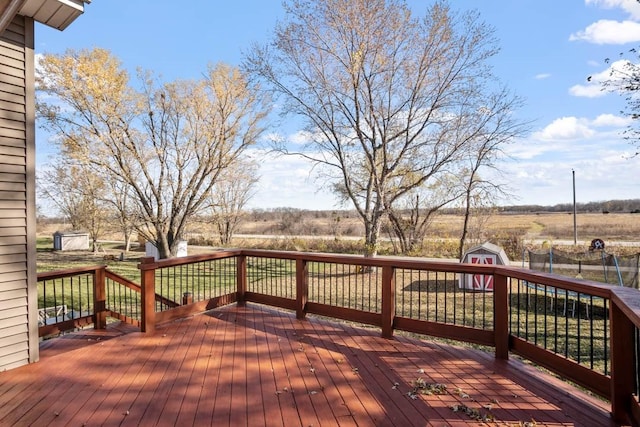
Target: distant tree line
609, 206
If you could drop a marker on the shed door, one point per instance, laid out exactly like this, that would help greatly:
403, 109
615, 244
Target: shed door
482, 282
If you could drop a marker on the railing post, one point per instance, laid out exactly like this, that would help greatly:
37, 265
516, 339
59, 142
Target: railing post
241, 279
187, 298
302, 288
99, 299
501, 315
148, 287
623, 369
388, 301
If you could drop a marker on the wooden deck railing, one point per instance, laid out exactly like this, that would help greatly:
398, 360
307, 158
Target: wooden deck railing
71, 298
584, 331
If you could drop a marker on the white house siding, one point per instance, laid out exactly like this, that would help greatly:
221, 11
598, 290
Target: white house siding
18, 336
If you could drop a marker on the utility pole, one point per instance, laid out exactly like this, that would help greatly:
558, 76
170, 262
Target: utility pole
575, 225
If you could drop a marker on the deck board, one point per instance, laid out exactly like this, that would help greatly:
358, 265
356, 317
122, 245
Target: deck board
352, 406
255, 366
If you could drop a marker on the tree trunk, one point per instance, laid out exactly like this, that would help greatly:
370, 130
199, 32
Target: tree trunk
163, 245
372, 235
404, 241
127, 239
465, 225
224, 231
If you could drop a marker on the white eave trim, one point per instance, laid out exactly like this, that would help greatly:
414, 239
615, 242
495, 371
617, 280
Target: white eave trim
57, 14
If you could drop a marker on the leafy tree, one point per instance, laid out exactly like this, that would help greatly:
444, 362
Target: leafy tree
165, 145
384, 95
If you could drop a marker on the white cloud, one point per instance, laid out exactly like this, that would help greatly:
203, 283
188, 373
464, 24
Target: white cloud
590, 90
539, 169
289, 181
603, 169
593, 88
618, 73
527, 149
565, 128
632, 7
300, 138
606, 31
542, 76
611, 120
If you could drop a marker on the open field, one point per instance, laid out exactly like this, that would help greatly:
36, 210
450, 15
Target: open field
531, 229
342, 232
547, 226
513, 232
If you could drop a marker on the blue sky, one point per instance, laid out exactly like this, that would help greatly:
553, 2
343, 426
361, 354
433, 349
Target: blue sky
548, 48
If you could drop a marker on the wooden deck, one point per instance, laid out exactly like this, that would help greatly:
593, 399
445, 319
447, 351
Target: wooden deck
255, 366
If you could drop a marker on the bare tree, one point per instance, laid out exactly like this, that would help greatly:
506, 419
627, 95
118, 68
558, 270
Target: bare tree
481, 182
410, 220
124, 207
77, 195
290, 221
624, 79
383, 93
167, 144
229, 197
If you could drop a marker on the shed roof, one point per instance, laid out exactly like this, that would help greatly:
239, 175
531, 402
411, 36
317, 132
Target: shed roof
490, 248
71, 233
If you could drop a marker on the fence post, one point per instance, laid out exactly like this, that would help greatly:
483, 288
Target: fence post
623, 367
241, 279
99, 299
302, 288
148, 287
388, 301
501, 315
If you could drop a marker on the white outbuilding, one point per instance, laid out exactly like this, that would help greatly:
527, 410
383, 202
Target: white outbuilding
486, 253
70, 241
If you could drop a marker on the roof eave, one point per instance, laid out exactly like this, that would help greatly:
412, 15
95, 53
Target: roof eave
57, 14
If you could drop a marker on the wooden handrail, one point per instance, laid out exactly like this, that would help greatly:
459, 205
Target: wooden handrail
628, 302
151, 264
98, 318
122, 280
58, 274
135, 287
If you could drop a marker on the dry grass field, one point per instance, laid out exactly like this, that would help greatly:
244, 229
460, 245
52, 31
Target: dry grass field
342, 231
552, 227
534, 226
